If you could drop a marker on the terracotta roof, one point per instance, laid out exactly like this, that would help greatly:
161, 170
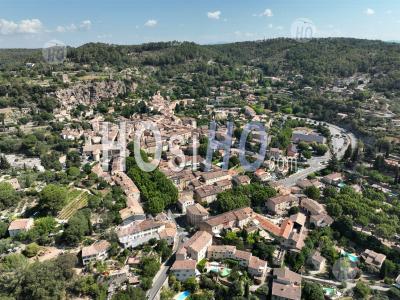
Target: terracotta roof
284, 291
198, 241
213, 175
280, 231
284, 274
298, 218
188, 264
221, 248
233, 215
333, 176
282, 199
243, 255
168, 232
257, 263
197, 209
20, 224
96, 248
312, 206
138, 227
208, 190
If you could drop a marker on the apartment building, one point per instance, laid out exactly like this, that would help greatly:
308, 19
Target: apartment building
207, 193
237, 218
196, 247
185, 200
280, 204
195, 214
138, 233
212, 177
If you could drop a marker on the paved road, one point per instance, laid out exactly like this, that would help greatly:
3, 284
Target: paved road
162, 274
318, 163
159, 279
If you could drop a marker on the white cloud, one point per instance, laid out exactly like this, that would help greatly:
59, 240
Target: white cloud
267, 13
215, 15
29, 26
83, 26
151, 23
369, 12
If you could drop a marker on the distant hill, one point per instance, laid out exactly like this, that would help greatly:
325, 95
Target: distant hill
315, 59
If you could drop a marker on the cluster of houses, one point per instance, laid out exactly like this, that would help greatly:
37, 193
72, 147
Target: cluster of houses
199, 246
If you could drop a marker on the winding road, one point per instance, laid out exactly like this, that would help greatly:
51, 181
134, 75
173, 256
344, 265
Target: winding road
340, 140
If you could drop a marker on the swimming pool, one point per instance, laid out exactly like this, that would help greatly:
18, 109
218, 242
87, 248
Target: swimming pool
352, 257
225, 272
182, 296
329, 291
221, 271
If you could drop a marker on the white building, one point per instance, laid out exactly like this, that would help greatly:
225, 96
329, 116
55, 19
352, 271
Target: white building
184, 269
97, 251
19, 225
139, 233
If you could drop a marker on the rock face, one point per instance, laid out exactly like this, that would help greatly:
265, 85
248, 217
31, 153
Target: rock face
90, 93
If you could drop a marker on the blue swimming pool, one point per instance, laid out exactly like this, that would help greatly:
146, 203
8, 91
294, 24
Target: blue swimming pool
182, 296
353, 258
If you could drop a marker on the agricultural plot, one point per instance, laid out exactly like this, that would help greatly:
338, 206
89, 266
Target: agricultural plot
77, 199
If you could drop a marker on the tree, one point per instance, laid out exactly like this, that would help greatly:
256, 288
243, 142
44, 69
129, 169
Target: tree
149, 266
163, 249
389, 269
361, 290
312, 291
231, 199
78, 226
74, 172
320, 149
394, 293
52, 198
191, 284
31, 250
88, 286
8, 196
131, 293
293, 210
3, 229
167, 294
348, 153
312, 192
334, 164
4, 164
73, 159
307, 154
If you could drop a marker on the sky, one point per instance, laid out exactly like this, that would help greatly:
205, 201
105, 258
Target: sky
33, 23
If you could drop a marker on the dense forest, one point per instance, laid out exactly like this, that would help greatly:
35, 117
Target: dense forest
315, 60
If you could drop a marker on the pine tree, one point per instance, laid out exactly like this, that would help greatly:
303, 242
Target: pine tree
348, 153
4, 164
